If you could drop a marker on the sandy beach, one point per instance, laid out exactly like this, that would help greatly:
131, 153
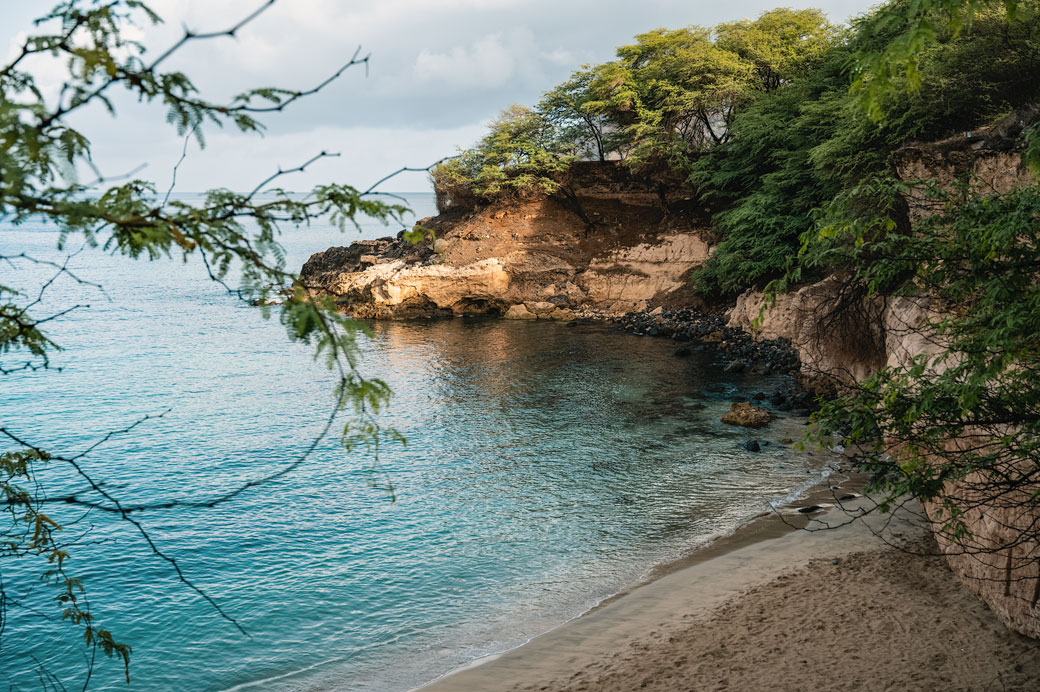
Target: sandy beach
776, 608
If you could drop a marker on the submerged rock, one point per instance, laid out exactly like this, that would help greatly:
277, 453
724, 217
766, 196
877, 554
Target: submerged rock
743, 413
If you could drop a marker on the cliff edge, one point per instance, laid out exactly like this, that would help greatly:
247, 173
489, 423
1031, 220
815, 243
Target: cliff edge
615, 244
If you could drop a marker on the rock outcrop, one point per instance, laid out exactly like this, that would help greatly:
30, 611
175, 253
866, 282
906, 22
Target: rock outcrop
618, 246
989, 159
836, 343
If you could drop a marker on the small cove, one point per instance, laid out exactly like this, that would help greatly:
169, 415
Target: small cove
548, 467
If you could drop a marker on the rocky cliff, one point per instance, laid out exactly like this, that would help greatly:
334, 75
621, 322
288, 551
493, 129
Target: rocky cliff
613, 245
839, 344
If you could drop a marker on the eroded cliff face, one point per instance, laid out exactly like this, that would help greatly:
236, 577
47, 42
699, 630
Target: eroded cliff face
995, 562
838, 344
623, 247
988, 159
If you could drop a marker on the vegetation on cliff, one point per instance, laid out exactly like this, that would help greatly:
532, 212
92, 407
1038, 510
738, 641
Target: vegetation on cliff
668, 97
769, 119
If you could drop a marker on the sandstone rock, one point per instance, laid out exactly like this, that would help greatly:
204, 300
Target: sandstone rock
541, 308
519, 312
743, 413
736, 366
563, 315
526, 251
752, 446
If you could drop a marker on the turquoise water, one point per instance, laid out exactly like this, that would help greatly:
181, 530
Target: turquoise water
547, 468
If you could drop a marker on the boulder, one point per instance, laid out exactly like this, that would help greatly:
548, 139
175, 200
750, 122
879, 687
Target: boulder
743, 413
541, 308
519, 312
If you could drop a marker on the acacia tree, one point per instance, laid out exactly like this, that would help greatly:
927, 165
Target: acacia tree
518, 155
577, 127
781, 44
677, 90
230, 232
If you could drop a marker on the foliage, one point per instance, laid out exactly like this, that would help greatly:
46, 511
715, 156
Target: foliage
795, 150
970, 411
40, 156
765, 180
666, 98
577, 127
516, 156
907, 28
678, 91
957, 424
781, 44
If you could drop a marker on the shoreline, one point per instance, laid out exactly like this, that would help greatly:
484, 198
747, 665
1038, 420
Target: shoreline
784, 520
647, 635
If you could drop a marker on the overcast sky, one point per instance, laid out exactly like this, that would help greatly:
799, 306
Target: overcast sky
440, 69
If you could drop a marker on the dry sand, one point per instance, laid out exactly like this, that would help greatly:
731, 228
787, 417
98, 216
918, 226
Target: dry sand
768, 609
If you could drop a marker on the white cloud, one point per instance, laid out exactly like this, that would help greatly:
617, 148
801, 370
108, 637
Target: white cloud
490, 62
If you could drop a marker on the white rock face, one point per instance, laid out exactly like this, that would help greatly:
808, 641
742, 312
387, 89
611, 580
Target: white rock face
630, 278
617, 281
825, 348
395, 283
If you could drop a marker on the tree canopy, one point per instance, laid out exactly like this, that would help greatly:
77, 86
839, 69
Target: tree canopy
666, 98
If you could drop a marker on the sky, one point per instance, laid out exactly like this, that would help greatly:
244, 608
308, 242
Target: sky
439, 71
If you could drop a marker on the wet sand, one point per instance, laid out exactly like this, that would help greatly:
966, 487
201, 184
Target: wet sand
773, 607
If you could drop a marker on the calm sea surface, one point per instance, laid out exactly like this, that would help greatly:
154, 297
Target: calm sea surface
546, 468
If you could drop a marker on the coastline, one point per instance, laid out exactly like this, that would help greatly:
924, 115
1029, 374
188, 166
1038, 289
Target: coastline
770, 574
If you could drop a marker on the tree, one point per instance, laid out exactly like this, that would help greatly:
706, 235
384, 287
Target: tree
793, 150
782, 44
40, 153
956, 425
576, 127
517, 156
681, 90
